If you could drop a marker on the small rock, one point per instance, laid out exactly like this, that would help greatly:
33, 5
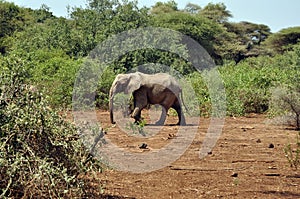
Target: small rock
271, 146
272, 174
258, 141
143, 146
171, 135
272, 167
234, 175
247, 127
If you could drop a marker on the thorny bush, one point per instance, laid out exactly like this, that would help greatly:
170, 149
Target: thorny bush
41, 155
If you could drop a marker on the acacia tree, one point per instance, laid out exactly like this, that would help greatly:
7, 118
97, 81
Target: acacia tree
216, 12
160, 7
284, 39
248, 38
197, 27
192, 8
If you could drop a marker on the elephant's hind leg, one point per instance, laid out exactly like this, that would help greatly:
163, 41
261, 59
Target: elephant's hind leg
178, 108
163, 116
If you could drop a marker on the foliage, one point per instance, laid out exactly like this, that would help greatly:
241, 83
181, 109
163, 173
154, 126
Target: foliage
52, 72
286, 101
247, 86
202, 98
161, 8
199, 28
103, 88
11, 20
284, 39
216, 12
248, 39
103, 19
41, 154
54, 48
192, 8
292, 152
57, 71
286, 96
137, 128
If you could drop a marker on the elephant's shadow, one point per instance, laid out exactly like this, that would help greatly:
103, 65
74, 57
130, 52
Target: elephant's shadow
169, 125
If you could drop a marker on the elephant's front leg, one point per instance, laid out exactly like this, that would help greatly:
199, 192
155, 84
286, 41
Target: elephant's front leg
163, 116
136, 114
140, 102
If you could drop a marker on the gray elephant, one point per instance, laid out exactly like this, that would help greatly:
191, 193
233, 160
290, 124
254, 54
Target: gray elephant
160, 88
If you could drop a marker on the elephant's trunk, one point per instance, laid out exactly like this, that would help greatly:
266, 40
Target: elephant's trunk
111, 105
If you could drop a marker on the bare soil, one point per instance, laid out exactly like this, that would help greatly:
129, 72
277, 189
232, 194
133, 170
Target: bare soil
248, 161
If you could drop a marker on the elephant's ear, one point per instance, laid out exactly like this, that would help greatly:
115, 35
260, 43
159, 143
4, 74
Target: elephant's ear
134, 83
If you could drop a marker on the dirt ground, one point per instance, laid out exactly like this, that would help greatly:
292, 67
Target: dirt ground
248, 161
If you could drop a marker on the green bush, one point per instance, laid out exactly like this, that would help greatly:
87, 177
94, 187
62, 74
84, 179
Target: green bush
202, 98
41, 155
247, 85
285, 99
54, 73
103, 88
292, 151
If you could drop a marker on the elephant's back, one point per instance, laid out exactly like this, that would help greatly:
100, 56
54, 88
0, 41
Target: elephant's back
166, 81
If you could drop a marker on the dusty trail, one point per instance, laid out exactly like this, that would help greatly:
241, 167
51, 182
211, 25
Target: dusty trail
248, 161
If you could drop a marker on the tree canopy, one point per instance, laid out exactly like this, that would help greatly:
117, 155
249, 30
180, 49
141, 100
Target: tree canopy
46, 41
85, 27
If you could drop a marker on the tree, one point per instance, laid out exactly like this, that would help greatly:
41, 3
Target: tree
105, 18
192, 8
42, 14
248, 38
284, 39
11, 20
216, 12
128, 16
160, 7
197, 27
247, 31
54, 33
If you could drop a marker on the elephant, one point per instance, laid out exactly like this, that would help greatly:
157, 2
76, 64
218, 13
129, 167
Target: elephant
159, 88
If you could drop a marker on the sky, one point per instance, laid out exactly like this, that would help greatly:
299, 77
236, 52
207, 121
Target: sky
277, 14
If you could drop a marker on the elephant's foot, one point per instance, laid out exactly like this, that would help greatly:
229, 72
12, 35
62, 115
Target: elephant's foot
182, 123
159, 123
137, 119
137, 122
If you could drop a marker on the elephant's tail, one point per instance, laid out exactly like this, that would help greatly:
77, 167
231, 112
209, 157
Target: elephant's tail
181, 96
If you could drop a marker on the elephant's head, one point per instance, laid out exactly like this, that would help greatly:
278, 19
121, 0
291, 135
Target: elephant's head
126, 83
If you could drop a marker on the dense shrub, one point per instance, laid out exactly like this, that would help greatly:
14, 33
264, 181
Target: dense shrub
54, 73
285, 99
247, 85
292, 151
250, 83
41, 155
202, 95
